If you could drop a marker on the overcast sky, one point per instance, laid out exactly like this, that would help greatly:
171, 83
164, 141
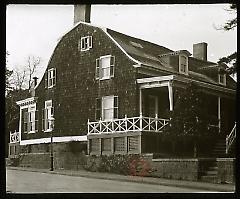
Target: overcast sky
35, 29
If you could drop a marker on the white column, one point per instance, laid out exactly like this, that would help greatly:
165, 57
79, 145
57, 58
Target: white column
219, 114
170, 95
140, 101
20, 125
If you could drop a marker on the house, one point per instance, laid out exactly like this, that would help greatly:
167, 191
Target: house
114, 92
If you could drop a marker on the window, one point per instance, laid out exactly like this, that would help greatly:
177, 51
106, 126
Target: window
222, 79
105, 67
30, 119
85, 43
50, 78
47, 113
107, 107
183, 64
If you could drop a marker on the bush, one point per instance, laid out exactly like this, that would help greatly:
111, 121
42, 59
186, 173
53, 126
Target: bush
120, 164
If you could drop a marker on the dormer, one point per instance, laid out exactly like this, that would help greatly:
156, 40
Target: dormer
177, 60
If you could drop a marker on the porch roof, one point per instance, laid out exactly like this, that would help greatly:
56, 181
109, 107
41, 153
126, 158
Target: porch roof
153, 82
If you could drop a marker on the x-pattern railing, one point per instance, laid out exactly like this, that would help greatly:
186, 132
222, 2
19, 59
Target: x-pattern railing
230, 138
14, 137
126, 124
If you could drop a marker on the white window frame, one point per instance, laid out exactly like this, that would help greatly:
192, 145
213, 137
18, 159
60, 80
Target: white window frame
51, 78
31, 121
181, 64
110, 67
48, 112
85, 43
224, 79
114, 107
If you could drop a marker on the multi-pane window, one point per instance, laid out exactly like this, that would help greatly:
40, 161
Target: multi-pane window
30, 119
107, 107
50, 78
183, 64
105, 67
47, 113
222, 79
85, 43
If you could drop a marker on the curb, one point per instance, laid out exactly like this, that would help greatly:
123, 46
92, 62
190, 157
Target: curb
137, 179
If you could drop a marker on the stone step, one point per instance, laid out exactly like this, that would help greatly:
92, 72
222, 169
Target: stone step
211, 172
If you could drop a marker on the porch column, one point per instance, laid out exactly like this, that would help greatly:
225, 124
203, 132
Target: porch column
20, 125
140, 101
170, 95
219, 114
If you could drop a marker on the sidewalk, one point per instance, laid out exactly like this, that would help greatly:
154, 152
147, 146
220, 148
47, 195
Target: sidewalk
149, 180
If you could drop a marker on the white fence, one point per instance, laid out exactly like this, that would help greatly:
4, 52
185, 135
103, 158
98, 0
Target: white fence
127, 125
14, 137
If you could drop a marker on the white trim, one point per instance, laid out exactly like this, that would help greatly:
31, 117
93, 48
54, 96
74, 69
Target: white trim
153, 79
27, 100
55, 140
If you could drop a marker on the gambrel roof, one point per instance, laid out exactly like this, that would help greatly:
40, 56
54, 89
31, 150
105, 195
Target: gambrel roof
147, 54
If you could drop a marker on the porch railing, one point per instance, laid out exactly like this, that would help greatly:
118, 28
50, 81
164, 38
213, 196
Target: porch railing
230, 138
126, 124
14, 137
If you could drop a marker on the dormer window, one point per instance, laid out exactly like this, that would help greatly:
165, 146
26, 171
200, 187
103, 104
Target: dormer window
183, 64
85, 43
222, 79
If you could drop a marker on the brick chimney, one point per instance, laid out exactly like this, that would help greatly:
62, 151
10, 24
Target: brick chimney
82, 12
35, 81
200, 51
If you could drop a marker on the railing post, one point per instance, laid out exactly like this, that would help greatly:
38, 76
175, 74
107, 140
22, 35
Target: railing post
10, 137
125, 122
100, 125
140, 120
88, 126
112, 130
156, 122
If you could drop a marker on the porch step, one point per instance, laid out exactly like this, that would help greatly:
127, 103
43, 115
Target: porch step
219, 149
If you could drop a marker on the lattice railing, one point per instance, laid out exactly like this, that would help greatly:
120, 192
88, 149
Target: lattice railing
230, 138
126, 124
14, 137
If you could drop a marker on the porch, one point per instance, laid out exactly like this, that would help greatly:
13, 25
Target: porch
157, 98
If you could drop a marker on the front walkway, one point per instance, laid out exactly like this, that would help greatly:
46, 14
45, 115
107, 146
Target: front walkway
148, 180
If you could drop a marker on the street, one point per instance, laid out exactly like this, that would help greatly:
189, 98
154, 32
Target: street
36, 182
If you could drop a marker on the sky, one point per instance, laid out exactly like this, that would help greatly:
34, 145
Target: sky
35, 29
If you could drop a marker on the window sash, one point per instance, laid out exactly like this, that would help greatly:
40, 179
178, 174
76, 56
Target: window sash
105, 67
109, 107
50, 79
86, 43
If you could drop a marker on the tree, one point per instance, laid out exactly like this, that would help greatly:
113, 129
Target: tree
21, 77
189, 118
230, 60
18, 83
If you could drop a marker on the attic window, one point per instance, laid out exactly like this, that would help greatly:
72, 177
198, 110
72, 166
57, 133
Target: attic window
136, 44
183, 64
222, 79
85, 43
